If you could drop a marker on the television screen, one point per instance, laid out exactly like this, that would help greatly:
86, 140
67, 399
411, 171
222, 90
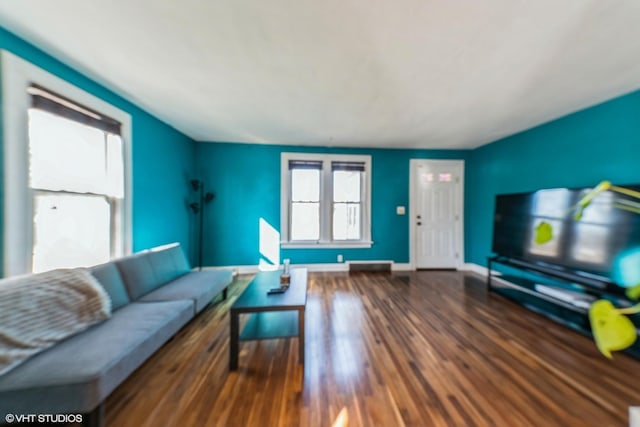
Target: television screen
609, 228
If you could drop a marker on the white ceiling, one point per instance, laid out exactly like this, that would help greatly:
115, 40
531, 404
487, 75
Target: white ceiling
376, 73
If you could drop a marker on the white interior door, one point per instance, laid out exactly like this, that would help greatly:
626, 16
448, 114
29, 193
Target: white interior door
437, 211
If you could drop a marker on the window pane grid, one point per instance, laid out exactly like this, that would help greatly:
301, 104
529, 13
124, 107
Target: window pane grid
305, 185
305, 204
327, 198
70, 230
347, 186
347, 221
76, 173
93, 164
305, 221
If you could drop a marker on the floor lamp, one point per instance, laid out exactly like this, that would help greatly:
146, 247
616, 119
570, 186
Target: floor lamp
198, 208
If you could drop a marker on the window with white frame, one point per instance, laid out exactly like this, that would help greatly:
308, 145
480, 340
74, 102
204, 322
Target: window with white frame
76, 181
67, 173
325, 200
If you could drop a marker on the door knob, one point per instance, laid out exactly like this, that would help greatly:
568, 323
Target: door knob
419, 217
419, 223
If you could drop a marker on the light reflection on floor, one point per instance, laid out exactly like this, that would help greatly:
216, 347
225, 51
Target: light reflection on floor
339, 354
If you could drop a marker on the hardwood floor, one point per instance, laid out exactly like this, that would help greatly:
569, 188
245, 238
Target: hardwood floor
410, 349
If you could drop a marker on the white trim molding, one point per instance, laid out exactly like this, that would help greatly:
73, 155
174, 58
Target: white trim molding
479, 269
341, 267
332, 245
328, 267
17, 75
336, 267
326, 198
402, 266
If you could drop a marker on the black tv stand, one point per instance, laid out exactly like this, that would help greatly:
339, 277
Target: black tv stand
557, 293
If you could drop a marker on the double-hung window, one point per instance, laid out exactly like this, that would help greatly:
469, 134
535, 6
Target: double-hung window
304, 203
325, 200
67, 168
76, 177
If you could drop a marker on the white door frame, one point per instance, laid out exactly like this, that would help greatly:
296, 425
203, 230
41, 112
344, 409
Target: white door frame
413, 198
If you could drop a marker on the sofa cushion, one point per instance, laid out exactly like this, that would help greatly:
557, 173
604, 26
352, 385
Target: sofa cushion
199, 286
137, 274
78, 373
109, 277
167, 264
180, 259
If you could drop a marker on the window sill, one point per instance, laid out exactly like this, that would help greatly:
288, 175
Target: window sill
326, 245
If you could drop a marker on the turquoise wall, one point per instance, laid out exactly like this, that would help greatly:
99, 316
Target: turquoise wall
582, 149
246, 181
163, 158
602, 142
163, 162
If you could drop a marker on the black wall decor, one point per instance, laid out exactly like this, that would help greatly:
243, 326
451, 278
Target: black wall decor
198, 208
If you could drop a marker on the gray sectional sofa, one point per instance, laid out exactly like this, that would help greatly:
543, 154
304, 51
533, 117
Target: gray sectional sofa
153, 295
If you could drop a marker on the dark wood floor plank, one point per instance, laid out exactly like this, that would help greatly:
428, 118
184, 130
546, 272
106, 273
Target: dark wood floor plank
402, 349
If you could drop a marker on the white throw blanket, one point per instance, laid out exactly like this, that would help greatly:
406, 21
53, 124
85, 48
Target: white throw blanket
38, 310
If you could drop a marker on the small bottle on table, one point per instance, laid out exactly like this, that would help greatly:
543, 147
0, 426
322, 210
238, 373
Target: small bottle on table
285, 277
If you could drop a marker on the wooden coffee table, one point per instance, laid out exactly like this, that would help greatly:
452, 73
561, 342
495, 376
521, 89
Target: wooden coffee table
270, 316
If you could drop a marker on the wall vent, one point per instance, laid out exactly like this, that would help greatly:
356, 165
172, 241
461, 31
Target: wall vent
383, 267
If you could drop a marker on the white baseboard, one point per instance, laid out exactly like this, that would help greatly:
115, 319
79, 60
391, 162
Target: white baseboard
340, 266
402, 266
327, 267
479, 269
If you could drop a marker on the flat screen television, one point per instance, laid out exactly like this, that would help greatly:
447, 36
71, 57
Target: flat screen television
608, 228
